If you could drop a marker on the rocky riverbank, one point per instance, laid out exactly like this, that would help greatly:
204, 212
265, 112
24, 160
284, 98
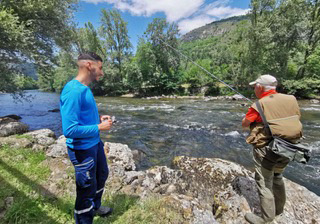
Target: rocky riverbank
200, 190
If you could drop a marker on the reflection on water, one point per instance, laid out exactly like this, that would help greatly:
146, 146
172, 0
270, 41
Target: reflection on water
163, 129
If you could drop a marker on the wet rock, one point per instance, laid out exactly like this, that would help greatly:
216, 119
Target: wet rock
247, 187
244, 105
237, 97
58, 149
9, 126
13, 116
54, 110
15, 142
43, 137
314, 101
234, 134
138, 156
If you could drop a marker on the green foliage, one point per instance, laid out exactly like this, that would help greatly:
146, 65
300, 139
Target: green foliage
307, 87
30, 30
277, 37
158, 63
313, 64
23, 82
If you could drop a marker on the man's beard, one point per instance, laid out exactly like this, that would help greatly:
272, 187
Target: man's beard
93, 75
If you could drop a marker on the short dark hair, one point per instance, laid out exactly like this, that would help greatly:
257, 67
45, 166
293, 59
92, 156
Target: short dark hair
89, 56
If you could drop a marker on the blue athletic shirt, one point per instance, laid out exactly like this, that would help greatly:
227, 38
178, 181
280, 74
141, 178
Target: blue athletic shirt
80, 117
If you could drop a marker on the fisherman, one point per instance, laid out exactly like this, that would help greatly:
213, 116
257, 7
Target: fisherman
283, 115
81, 126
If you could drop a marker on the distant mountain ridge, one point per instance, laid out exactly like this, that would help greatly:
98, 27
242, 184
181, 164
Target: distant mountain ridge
215, 28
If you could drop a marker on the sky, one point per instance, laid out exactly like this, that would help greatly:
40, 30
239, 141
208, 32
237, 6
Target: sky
188, 14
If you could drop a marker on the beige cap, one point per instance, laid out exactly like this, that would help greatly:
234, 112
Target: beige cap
265, 80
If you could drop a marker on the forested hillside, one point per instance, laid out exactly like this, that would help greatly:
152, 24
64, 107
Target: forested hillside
216, 28
276, 37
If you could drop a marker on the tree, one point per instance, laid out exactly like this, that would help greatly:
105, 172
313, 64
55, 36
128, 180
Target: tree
117, 50
313, 33
30, 30
114, 32
158, 62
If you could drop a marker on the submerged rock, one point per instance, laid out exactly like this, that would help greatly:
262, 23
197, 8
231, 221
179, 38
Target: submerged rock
9, 126
54, 110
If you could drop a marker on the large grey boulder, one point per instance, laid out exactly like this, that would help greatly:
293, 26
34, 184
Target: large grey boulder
120, 155
44, 137
58, 149
9, 126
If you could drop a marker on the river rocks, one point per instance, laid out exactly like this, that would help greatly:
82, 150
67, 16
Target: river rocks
9, 126
204, 98
200, 190
237, 97
204, 178
207, 190
44, 137
58, 149
37, 140
120, 155
54, 110
191, 210
314, 101
13, 116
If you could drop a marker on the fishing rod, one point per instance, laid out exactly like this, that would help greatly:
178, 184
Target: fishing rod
205, 70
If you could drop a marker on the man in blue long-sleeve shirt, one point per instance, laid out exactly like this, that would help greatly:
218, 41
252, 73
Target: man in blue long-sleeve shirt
81, 126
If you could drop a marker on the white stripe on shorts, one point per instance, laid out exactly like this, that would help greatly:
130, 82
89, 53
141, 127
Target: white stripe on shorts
83, 210
99, 190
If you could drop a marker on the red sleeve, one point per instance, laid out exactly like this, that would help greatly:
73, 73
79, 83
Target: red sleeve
253, 115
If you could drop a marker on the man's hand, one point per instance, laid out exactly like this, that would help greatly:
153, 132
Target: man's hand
245, 123
105, 125
104, 117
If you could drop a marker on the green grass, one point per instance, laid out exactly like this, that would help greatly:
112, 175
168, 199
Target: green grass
130, 210
23, 176
29, 137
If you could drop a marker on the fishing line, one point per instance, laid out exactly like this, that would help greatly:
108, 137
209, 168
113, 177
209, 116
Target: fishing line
205, 70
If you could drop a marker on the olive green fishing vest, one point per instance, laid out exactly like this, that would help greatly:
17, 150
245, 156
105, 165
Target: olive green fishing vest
283, 115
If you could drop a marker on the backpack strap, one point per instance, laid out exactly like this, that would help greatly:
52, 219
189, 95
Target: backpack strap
265, 122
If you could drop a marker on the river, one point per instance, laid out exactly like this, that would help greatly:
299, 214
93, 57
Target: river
163, 129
